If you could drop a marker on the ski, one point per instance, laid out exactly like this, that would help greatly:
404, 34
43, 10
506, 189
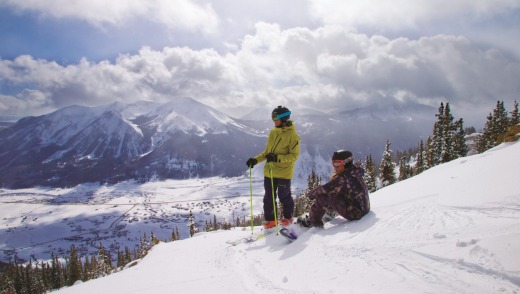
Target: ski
249, 239
253, 238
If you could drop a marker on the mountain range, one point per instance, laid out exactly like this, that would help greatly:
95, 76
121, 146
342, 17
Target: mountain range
184, 139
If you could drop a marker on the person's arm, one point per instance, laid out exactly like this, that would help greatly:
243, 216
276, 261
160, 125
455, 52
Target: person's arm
332, 186
261, 157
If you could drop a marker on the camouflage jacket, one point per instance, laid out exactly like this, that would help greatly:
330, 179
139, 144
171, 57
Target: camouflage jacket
350, 186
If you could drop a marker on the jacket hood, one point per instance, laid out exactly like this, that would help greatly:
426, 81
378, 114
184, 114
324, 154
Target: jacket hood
356, 171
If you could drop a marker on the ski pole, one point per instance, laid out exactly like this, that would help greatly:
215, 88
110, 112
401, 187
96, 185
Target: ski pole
251, 198
272, 192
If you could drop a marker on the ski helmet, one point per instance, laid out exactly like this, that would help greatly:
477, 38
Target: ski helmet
343, 155
282, 113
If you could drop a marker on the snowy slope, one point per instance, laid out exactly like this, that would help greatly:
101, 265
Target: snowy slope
452, 229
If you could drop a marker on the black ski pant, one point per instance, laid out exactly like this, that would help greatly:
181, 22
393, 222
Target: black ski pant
282, 190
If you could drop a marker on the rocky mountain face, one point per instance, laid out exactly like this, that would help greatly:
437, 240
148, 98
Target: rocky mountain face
183, 139
140, 141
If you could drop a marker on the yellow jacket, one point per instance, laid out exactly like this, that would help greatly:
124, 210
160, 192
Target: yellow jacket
285, 143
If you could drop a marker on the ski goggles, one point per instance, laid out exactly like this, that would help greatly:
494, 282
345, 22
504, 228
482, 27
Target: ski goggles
280, 116
338, 162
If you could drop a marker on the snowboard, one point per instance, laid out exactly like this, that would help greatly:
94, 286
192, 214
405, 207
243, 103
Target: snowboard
295, 229
288, 234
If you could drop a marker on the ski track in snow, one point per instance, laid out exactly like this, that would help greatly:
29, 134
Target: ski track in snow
352, 255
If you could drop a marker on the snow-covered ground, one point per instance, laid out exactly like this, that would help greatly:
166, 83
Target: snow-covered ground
35, 222
453, 229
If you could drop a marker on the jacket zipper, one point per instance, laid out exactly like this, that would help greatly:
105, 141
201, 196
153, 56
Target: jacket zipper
276, 145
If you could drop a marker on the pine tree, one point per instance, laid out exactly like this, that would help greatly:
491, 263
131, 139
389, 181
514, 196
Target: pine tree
153, 240
21, 280
387, 167
143, 246
32, 283
420, 164
35, 278
192, 225
429, 156
86, 269
173, 237
501, 116
447, 131
302, 203
485, 140
501, 122
74, 267
437, 137
370, 175
7, 284
104, 262
460, 148
495, 128
128, 255
445, 139
93, 269
57, 279
404, 169
120, 258
515, 117
42, 269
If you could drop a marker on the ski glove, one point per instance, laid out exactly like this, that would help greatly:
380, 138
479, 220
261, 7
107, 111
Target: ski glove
271, 157
251, 162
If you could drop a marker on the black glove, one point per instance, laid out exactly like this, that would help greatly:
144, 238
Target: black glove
251, 162
271, 157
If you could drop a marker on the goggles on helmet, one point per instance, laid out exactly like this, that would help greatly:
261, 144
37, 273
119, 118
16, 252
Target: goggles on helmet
338, 162
280, 116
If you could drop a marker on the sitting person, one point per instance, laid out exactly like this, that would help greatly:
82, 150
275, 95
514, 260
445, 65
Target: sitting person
345, 194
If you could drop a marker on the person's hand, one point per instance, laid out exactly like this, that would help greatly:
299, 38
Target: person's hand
251, 162
271, 157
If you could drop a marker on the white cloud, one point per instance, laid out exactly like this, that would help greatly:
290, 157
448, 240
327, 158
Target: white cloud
175, 14
33, 100
400, 14
326, 68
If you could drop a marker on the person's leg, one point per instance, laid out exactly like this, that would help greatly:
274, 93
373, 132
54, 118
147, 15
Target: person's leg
347, 209
284, 194
318, 209
268, 199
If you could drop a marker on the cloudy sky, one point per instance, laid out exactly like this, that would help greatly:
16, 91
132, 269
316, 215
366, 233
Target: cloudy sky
242, 54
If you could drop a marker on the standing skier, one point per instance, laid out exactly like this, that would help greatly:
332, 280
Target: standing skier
345, 194
281, 152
